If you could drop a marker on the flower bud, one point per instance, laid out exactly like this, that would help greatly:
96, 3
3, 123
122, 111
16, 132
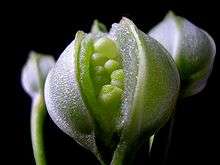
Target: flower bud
33, 77
192, 49
111, 102
35, 71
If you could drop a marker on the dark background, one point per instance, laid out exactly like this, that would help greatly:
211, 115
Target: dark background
50, 27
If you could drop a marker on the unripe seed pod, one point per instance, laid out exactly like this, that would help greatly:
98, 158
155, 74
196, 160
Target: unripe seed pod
116, 117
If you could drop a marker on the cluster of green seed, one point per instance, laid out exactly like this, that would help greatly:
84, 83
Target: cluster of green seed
107, 72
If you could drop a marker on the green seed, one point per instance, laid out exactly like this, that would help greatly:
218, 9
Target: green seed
118, 75
117, 78
110, 96
98, 59
117, 83
111, 65
107, 47
100, 76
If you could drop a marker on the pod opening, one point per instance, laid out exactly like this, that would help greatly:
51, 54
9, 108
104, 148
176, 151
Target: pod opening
107, 73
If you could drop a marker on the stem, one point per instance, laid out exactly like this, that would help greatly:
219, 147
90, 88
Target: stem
118, 159
125, 153
169, 139
38, 114
163, 140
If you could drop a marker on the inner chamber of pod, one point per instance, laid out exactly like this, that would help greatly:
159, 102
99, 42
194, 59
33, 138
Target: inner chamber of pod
107, 73
102, 82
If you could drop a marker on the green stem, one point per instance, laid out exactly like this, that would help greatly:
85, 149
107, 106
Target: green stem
38, 114
165, 133
169, 139
125, 153
118, 158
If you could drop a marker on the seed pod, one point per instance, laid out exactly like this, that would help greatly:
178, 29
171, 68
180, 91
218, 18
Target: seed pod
192, 49
110, 102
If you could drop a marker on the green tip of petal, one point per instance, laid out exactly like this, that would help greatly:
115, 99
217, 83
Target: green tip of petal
170, 14
98, 27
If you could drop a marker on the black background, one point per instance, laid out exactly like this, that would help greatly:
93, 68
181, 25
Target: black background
50, 27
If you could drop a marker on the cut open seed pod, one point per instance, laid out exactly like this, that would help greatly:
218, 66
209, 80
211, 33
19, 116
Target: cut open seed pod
111, 91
